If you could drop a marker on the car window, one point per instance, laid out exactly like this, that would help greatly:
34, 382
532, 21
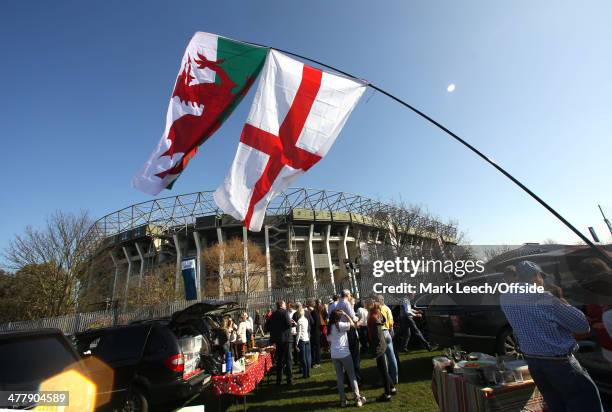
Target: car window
479, 299
121, 344
454, 300
33, 359
156, 344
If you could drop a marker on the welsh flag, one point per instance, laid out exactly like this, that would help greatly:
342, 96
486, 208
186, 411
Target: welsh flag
214, 76
297, 113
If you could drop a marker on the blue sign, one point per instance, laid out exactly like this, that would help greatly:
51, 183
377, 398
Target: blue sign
189, 278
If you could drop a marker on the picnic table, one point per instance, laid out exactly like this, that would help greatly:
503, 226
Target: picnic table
454, 393
243, 383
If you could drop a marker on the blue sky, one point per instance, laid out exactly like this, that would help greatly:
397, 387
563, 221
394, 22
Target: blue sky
85, 88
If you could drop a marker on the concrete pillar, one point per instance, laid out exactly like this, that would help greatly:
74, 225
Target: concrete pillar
199, 266
142, 263
114, 259
351, 272
310, 257
245, 260
358, 237
343, 254
179, 258
127, 276
358, 244
329, 258
221, 262
268, 266
376, 244
344, 242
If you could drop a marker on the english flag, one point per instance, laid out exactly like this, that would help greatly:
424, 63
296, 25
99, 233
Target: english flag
296, 115
215, 74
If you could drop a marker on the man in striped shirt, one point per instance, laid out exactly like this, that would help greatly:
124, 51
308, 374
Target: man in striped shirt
544, 326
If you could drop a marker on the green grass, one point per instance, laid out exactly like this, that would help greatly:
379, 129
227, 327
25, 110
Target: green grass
319, 394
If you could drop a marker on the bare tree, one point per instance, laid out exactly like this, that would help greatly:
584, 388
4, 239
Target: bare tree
157, 287
54, 259
495, 251
231, 253
410, 230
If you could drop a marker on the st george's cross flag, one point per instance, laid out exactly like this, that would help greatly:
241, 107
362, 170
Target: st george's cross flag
214, 76
296, 115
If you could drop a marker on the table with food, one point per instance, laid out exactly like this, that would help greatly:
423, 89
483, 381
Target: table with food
480, 382
245, 373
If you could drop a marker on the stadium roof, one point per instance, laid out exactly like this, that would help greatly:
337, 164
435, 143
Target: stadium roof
176, 212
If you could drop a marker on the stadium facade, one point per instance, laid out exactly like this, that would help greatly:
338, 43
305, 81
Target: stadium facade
309, 237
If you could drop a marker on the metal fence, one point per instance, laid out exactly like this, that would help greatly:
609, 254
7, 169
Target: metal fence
78, 322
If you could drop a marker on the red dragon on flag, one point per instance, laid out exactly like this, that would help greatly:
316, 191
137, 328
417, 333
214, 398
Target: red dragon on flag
216, 73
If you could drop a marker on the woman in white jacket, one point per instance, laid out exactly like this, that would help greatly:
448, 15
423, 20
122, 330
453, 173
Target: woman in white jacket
242, 334
303, 341
339, 324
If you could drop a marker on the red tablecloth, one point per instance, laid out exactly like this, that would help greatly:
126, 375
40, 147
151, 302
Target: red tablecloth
244, 382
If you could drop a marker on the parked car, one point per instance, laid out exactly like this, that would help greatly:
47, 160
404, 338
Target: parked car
155, 361
207, 317
27, 358
483, 327
476, 323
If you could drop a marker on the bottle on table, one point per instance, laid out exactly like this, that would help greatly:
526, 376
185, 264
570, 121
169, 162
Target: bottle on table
228, 362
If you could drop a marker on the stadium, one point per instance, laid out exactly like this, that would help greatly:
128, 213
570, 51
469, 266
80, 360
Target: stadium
310, 238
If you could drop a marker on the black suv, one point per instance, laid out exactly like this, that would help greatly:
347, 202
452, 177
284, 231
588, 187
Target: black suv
474, 322
153, 362
28, 358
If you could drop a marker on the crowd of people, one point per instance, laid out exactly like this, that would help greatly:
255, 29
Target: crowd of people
544, 324
345, 328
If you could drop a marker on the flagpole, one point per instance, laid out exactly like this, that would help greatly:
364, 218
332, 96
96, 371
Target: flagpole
463, 142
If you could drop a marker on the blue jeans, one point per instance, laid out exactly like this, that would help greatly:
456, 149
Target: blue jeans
345, 365
565, 385
305, 358
390, 355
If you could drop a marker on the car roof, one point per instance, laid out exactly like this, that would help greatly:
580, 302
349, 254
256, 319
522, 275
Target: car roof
109, 329
205, 308
30, 332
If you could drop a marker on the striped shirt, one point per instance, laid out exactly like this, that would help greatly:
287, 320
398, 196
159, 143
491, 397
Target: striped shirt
543, 324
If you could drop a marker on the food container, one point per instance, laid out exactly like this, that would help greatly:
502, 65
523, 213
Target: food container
477, 372
479, 356
190, 347
519, 369
239, 366
441, 362
251, 357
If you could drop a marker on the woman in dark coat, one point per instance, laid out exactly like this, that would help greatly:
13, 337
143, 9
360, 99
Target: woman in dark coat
315, 335
378, 346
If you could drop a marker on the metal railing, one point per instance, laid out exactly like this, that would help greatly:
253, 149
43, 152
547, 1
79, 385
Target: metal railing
78, 322
175, 212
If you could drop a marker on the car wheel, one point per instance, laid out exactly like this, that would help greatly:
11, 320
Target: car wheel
135, 401
507, 343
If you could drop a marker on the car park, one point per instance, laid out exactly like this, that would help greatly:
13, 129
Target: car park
155, 361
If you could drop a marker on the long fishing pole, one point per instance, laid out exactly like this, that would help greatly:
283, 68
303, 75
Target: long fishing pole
463, 142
